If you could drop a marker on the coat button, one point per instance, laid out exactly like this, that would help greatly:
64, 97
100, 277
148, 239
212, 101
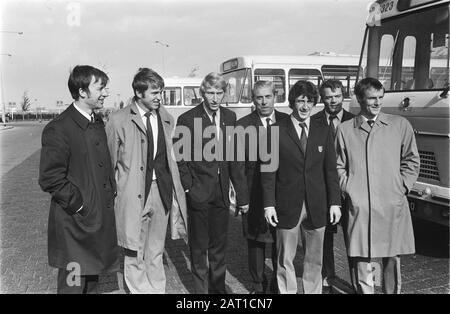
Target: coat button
97, 143
142, 168
142, 141
104, 185
139, 196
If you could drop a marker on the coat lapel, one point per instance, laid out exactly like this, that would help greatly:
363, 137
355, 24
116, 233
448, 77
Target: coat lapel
136, 118
293, 134
256, 121
166, 122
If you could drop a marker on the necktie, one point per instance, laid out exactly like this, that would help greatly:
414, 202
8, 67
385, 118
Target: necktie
149, 135
214, 118
303, 137
149, 172
215, 124
370, 122
92, 118
268, 122
331, 118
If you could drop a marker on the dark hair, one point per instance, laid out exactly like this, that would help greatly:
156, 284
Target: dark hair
81, 77
146, 78
365, 84
331, 84
262, 84
304, 88
213, 79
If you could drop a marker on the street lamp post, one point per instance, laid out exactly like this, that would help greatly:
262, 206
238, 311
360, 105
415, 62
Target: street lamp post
1, 75
12, 32
1, 86
163, 45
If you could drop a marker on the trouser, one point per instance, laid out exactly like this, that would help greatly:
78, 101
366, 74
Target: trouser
145, 273
312, 246
68, 283
256, 265
367, 274
208, 226
328, 268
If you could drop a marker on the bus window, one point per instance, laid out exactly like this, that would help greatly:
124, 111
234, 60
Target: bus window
312, 75
276, 76
172, 96
238, 84
191, 95
439, 71
385, 61
414, 51
407, 71
344, 73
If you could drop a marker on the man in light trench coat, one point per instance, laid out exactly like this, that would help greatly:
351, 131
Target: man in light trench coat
378, 163
149, 190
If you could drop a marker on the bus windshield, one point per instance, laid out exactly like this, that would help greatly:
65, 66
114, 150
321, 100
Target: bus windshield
239, 86
191, 95
410, 52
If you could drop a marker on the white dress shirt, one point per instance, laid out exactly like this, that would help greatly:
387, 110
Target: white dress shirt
211, 119
154, 124
297, 127
338, 119
84, 113
264, 119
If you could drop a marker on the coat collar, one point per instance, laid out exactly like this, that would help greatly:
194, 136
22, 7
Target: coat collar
136, 118
201, 112
78, 117
381, 120
256, 119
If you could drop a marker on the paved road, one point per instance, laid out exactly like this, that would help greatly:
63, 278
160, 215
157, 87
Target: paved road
23, 248
18, 143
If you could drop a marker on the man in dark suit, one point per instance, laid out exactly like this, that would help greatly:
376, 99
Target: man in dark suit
302, 191
205, 176
76, 170
331, 93
254, 225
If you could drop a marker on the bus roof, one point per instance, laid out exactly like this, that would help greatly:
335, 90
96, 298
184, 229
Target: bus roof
250, 60
182, 81
383, 9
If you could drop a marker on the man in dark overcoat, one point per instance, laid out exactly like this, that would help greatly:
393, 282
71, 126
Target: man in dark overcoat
75, 168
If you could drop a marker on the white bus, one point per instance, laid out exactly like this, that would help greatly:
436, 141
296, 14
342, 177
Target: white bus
284, 71
406, 47
181, 94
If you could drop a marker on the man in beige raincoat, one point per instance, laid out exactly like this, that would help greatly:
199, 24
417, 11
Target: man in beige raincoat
149, 190
377, 164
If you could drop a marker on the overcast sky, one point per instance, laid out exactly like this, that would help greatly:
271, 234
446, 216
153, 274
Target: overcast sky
119, 37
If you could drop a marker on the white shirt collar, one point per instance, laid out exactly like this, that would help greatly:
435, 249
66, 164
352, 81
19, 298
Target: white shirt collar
366, 119
296, 122
84, 113
271, 117
142, 112
210, 115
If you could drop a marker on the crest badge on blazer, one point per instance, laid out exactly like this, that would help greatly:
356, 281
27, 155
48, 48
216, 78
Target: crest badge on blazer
320, 149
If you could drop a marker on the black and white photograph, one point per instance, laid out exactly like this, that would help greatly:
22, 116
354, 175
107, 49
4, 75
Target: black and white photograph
245, 149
